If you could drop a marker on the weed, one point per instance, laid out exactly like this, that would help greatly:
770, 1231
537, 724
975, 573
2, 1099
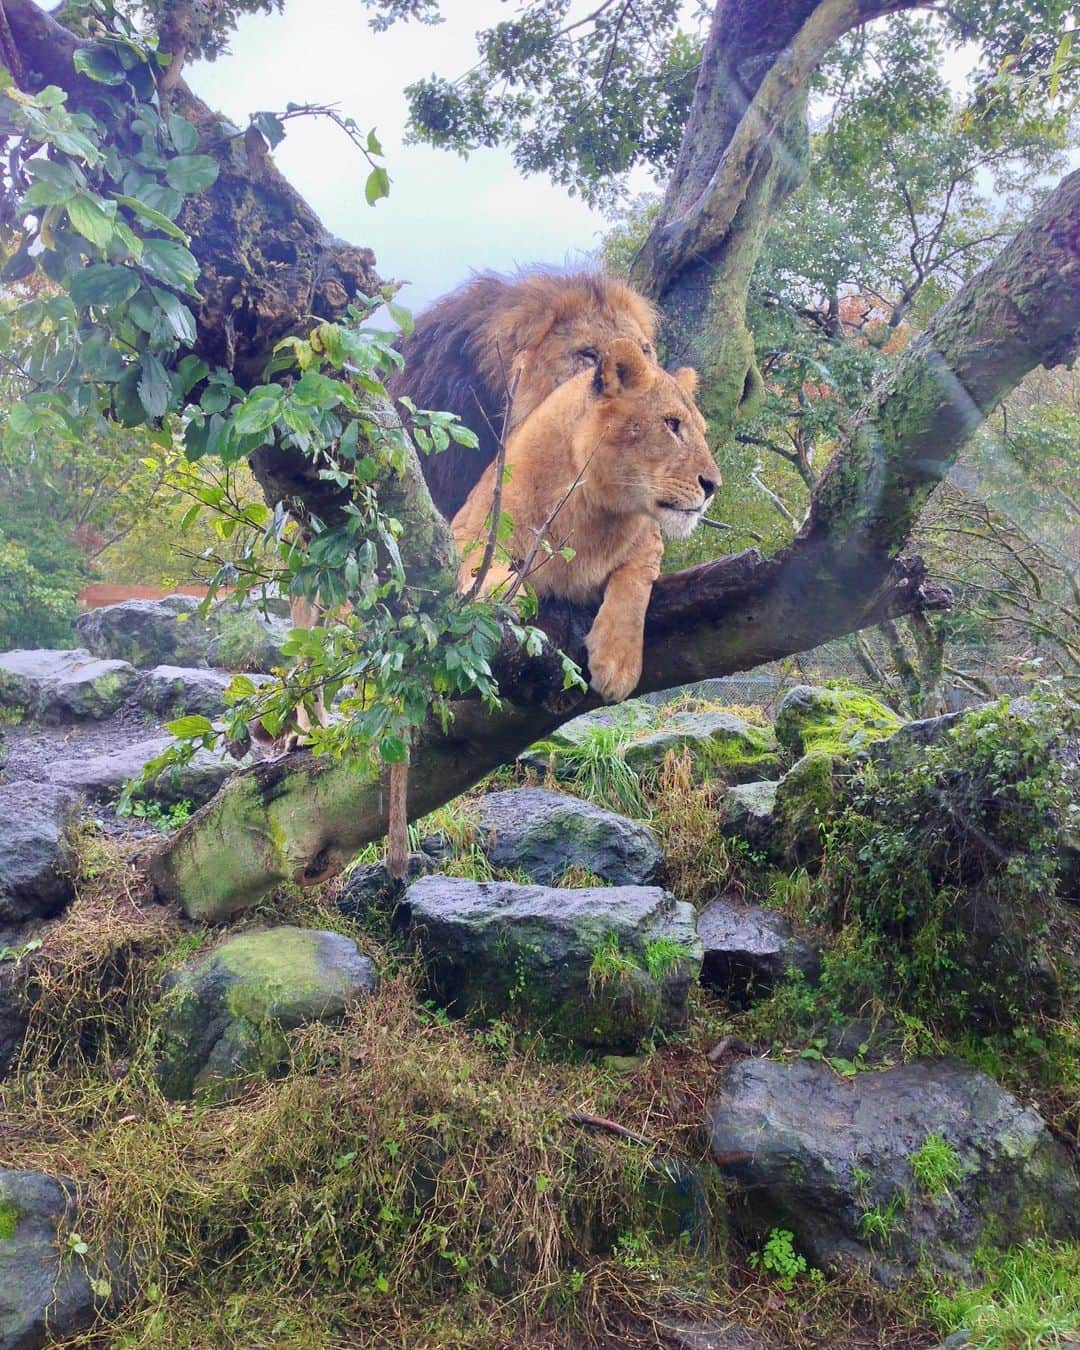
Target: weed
11, 716
595, 767
17, 955
780, 1257
164, 818
936, 1165
881, 1222
610, 965
662, 956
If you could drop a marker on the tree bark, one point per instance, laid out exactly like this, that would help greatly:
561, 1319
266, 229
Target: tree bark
300, 820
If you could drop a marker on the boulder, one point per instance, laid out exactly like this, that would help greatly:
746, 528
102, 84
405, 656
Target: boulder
371, 889
600, 967
917, 1164
173, 691
748, 811
223, 1017
35, 851
101, 777
837, 720
46, 1294
147, 632
806, 798
150, 633
748, 948
542, 833
58, 685
721, 746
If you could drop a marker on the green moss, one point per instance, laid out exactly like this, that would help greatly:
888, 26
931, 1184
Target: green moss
9, 1220
807, 798
835, 718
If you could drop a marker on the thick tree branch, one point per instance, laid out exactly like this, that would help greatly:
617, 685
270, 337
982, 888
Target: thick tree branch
300, 820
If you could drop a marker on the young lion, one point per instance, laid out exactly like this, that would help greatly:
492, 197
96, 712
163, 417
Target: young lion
531, 332
609, 463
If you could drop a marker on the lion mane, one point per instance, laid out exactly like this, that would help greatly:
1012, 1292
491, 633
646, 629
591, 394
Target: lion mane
532, 333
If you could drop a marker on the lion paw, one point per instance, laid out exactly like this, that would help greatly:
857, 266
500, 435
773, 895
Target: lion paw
614, 669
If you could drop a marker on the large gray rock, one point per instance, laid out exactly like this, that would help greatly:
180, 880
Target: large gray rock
748, 948
45, 1293
57, 685
599, 967
146, 632
749, 811
173, 691
35, 852
150, 633
720, 745
101, 777
223, 1016
831, 1159
542, 833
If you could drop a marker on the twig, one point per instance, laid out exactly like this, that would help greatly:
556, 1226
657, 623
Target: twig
510, 388
592, 1122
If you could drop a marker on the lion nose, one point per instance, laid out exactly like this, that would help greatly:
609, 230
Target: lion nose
709, 485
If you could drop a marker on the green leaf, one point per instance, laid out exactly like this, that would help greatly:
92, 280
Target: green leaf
270, 126
19, 266
191, 173
259, 411
392, 750
103, 284
377, 185
155, 387
184, 136
171, 263
152, 217
402, 317
99, 63
373, 145
187, 728
91, 220
181, 320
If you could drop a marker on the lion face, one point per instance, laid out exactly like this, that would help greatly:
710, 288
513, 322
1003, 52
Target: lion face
645, 441
571, 325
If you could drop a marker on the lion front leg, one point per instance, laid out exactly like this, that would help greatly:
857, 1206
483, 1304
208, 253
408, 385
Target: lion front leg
616, 639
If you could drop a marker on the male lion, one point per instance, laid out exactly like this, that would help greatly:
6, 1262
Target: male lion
610, 462
493, 335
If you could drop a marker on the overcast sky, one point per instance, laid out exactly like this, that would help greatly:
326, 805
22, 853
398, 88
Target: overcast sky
445, 216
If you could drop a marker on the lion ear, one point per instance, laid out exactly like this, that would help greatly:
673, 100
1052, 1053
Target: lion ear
687, 378
622, 368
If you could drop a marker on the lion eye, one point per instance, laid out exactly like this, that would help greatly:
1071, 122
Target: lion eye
588, 356
673, 425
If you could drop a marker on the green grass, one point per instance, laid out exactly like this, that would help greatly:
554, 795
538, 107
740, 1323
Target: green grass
597, 770
936, 1165
1029, 1296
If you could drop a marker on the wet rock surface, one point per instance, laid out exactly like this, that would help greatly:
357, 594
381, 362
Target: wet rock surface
35, 852
818, 1153
598, 966
58, 685
748, 948
542, 833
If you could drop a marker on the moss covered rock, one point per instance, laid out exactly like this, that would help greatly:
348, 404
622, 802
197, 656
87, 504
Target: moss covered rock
223, 1017
56, 686
748, 811
561, 752
836, 720
807, 797
597, 967
920, 1164
720, 746
542, 833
